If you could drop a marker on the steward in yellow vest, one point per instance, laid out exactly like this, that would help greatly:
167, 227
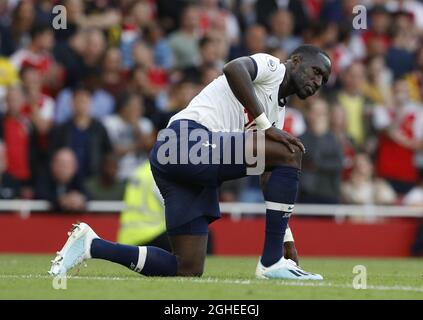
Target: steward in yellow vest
142, 221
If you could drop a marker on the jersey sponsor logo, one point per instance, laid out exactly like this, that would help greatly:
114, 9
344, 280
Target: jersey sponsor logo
272, 65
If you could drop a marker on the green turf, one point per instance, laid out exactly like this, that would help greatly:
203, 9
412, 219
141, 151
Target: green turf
25, 277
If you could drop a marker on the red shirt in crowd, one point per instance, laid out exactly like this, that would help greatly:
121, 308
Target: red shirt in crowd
46, 108
395, 161
16, 139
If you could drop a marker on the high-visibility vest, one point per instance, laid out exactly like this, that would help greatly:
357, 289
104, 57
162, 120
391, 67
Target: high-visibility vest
143, 219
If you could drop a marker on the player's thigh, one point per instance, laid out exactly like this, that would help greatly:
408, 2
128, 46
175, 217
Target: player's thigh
191, 251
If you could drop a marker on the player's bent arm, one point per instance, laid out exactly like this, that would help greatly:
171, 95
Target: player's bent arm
240, 74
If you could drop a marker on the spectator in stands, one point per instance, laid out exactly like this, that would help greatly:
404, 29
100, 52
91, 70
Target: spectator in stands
44, 11
38, 54
254, 42
209, 53
162, 52
246, 14
73, 14
83, 134
104, 19
144, 57
351, 98
379, 81
63, 187
399, 57
322, 34
139, 17
9, 78
142, 222
208, 74
130, 132
281, 34
265, 8
94, 51
77, 17
349, 48
411, 7
278, 53
339, 128
209, 58
217, 18
70, 54
180, 94
377, 38
15, 131
17, 35
400, 127
39, 111
184, 42
139, 83
415, 78
363, 188
39, 107
336, 11
221, 44
105, 185
81, 56
9, 186
113, 77
102, 103
322, 164
294, 122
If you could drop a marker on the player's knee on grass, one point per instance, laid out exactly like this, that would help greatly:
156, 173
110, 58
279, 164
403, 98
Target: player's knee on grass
190, 267
190, 251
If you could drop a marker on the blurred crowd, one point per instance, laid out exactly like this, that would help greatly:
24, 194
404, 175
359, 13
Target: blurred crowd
80, 107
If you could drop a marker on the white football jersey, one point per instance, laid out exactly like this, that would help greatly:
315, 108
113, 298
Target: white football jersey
217, 108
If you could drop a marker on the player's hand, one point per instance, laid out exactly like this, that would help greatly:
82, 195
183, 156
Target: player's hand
290, 252
285, 138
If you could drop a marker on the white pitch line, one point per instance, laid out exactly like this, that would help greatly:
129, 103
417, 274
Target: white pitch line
224, 281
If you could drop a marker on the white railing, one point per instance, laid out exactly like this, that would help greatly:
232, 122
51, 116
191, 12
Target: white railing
237, 209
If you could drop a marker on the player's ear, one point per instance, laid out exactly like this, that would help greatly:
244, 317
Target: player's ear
296, 60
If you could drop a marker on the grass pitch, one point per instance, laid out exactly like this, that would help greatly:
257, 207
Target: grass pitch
25, 277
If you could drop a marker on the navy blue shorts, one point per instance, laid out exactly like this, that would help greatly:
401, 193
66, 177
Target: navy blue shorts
190, 190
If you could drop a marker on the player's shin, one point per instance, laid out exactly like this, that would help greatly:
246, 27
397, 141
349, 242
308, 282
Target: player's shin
149, 261
280, 195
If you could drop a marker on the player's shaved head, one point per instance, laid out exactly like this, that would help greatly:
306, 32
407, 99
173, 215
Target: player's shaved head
307, 50
311, 67
311, 53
